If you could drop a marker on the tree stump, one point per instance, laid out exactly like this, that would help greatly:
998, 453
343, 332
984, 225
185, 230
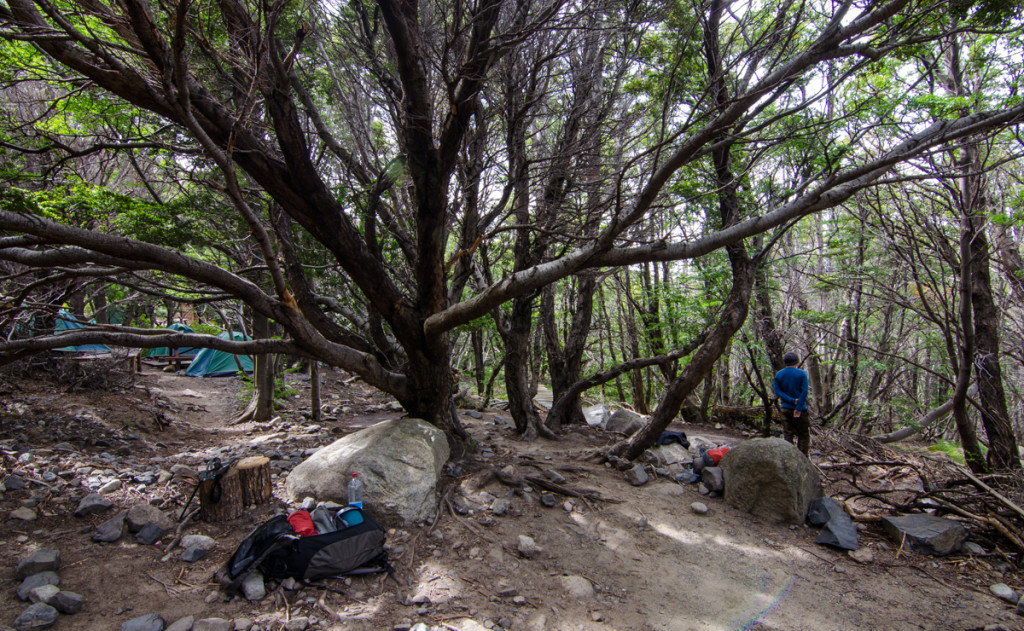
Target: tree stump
221, 499
254, 476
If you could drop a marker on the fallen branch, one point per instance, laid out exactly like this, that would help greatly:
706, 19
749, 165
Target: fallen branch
993, 492
585, 494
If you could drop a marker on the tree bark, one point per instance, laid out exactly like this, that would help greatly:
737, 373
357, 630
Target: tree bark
315, 403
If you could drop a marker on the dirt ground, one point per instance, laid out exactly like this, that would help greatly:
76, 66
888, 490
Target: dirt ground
653, 562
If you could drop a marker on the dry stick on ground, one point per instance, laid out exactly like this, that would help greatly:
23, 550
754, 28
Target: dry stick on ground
995, 523
585, 494
993, 492
178, 533
879, 463
465, 523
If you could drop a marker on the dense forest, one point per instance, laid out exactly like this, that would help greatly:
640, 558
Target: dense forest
646, 202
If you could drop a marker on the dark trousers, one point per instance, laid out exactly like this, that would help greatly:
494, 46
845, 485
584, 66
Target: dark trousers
798, 427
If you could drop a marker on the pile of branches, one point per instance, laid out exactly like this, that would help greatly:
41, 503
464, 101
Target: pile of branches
873, 480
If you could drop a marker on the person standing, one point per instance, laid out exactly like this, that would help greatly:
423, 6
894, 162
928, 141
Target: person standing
791, 386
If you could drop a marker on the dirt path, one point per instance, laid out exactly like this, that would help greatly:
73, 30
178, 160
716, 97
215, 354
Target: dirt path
650, 560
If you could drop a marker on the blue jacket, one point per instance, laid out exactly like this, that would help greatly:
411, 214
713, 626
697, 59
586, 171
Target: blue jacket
791, 387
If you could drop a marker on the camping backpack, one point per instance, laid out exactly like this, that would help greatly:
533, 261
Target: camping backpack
349, 542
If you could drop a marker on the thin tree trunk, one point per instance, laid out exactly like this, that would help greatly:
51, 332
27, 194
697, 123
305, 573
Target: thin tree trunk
314, 391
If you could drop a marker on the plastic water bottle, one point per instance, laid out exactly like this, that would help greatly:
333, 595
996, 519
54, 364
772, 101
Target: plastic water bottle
355, 491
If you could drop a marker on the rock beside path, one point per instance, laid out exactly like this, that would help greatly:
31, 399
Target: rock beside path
399, 461
925, 533
149, 622
771, 479
36, 580
37, 616
93, 504
41, 560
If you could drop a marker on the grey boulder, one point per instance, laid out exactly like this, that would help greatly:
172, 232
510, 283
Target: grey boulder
822, 509
926, 533
713, 478
145, 513
771, 479
213, 624
624, 422
839, 532
93, 504
37, 616
637, 475
41, 560
399, 462
67, 602
36, 580
148, 622
110, 530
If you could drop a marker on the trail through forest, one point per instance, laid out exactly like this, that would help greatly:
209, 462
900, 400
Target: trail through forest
640, 560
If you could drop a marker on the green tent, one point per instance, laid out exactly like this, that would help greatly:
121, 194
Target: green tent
181, 352
214, 363
67, 322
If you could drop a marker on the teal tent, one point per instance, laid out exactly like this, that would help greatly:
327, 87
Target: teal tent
67, 322
181, 352
213, 363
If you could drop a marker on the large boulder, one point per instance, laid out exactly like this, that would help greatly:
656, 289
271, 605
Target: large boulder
770, 478
399, 462
624, 422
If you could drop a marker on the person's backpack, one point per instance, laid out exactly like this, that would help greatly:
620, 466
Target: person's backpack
355, 546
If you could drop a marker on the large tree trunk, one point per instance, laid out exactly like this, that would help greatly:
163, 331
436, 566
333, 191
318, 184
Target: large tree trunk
973, 202
479, 370
263, 373
565, 363
995, 416
515, 334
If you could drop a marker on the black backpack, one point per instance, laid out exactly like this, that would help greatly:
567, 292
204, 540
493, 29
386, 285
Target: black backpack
274, 549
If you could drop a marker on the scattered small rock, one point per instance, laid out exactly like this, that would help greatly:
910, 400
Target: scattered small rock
713, 478
1004, 592
110, 487
44, 594
500, 506
554, 476
199, 541
24, 514
41, 560
527, 546
148, 622
699, 508
182, 624
191, 555
297, 624
145, 513
637, 476
548, 499
37, 616
212, 624
93, 504
253, 587
863, 555
150, 534
110, 530
242, 624
34, 581
577, 586
972, 548
67, 602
